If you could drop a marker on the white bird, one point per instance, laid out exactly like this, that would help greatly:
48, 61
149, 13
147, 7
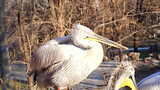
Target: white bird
151, 82
122, 78
66, 61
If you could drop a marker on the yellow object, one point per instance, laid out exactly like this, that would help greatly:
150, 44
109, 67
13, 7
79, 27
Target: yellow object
128, 82
107, 41
93, 39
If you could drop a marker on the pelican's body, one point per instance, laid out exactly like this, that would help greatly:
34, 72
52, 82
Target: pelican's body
66, 61
151, 82
72, 64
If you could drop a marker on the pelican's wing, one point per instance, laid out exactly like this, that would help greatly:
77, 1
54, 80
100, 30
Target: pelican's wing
151, 82
53, 54
61, 40
51, 58
64, 40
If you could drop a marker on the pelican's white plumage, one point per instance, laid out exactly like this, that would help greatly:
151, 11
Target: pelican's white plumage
66, 61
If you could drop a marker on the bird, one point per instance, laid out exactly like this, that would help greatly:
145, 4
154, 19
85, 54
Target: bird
65, 61
152, 82
122, 78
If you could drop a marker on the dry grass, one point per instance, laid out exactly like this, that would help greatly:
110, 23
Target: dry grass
33, 22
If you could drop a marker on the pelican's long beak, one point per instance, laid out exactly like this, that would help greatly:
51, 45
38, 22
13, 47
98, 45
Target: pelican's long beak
101, 39
134, 81
129, 83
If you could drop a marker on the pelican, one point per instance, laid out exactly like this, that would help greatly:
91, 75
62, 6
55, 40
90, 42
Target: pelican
63, 62
151, 82
122, 77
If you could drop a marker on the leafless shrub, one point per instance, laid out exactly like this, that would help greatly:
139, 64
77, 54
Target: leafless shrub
36, 21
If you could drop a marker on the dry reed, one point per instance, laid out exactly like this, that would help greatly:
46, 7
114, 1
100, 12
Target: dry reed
36, 21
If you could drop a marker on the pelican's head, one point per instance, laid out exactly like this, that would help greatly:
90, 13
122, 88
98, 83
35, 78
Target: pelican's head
84, 37
123, 77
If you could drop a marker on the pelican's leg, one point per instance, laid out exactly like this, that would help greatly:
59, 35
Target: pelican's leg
55, 88
60, 88
66, 88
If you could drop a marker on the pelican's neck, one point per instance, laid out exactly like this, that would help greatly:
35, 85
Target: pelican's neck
95, 48
83, 43
94, 56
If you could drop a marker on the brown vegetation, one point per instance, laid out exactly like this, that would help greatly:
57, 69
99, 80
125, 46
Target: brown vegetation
31, 23
34, 22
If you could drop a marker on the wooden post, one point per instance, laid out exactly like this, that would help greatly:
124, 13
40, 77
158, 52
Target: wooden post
134, 44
